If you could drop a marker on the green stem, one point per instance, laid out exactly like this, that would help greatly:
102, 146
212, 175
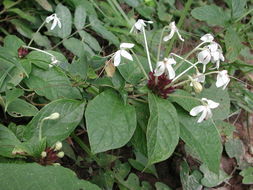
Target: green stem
185, 71
36, 49
146, 47
36, 33
40, 128
180, 23
245, 14
84, 147
140, 65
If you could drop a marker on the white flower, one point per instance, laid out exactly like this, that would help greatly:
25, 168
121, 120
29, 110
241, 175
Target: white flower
53, 116
57, 146
140, 24
204, 57
55, 19
222, 79
122, 52
173, 30
207, 38
205, 109
165, 66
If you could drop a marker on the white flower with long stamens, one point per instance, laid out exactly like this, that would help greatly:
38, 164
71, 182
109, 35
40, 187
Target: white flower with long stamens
122, 52
55, 19
222, 79
173, 30
165, 66
207, 38
140, 24
205, 109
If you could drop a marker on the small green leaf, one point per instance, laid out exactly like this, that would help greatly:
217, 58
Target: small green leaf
116, 123
161, 186
235, 149
79, 67
7, 141
45, 5
80, 17
90, 40
41, 40
212, 179
12, 43
66, 21
33, 176
247, 174
71, 113
52, 83
77, 47
203, 138
21, 108
12, 94
238, 8
211, 14
162, 130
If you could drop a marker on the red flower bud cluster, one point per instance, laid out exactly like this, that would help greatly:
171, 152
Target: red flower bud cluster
51, 157
22, 52
158, 85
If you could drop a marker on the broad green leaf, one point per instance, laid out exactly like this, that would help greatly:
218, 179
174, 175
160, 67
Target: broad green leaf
41, 40
161, 186
238, 8
12, 94
233, 44
97, 26
190, 181
66, 20
77, 47
7, 141
52, 83
21, 108
162, 130
23, 15
203, 138
116, 123
12, 43
22, 27
247, 175
218, 95
33, 176
211, 14
45, 4
184, 99
212, 179
80, 17
235, 149
71, 113
90, 40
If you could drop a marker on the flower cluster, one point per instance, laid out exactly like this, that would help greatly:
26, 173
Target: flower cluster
51, 154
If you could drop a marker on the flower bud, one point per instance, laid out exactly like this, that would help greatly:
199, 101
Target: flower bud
56, 164
43, 154
60, 154
57, 146
197, 86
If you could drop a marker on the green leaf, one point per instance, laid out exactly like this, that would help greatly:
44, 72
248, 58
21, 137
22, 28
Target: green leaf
116, 123
162, 130
34, 176
7, 141
23, 15
233, 44
22, 27
79, 67
211, 14
52, 83
190, 181
161, 186
238, 8
41, 40
247, 175
12, 43
71, 113
235, 149
45, 5
12, 95
90, 40
184, 99
66, 20
218, 95
80, 17
212, 179
225, 129
203, 138
21, 108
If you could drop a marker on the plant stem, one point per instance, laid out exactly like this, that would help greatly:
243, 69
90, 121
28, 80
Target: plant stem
183, 59
180, 23
245, 14
140, 65
185, 71
147, 51
84, 147
40, 128
36, 33
42, 51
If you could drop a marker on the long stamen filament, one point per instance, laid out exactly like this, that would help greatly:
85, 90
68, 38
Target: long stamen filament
146, 46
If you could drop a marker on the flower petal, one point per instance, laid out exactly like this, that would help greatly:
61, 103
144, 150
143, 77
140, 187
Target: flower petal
160, 68
196, 110
117, 58
125, 54
126, 45
167, 38
54, 24
179, 35
212, 104
204, 56
50, 18
222, 79
203, 115
171, 71
207, 38
213, 46
59, 22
